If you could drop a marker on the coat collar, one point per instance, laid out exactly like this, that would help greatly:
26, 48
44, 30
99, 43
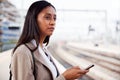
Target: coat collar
39, 57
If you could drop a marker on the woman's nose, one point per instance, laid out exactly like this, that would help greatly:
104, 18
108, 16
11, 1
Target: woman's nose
52, 22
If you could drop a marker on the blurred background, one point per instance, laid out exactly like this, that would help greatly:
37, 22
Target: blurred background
87, 32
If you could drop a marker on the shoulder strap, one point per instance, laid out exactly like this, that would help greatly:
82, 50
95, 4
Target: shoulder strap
34, 71
10, 78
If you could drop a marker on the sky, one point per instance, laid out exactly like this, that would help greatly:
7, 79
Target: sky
108, 10
112, 6
100, 4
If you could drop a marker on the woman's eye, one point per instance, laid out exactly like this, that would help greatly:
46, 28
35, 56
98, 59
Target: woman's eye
55, 18
50, 18
47, 17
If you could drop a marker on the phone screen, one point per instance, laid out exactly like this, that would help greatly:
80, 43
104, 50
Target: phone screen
89, 67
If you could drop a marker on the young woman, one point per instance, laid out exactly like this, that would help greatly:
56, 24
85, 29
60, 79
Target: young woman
38, 27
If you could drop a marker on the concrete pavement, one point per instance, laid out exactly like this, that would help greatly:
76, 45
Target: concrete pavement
4, 64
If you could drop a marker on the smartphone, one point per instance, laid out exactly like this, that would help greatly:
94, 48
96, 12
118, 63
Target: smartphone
90, 66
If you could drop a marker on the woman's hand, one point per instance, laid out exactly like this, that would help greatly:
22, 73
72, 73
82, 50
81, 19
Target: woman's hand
74, 73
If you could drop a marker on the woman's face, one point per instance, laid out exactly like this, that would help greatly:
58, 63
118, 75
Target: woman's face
46, 20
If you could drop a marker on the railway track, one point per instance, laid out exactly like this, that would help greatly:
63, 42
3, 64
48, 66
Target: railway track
66, 64
107, 62
106, 68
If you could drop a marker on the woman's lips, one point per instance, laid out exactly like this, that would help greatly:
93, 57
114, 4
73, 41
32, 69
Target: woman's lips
51, 28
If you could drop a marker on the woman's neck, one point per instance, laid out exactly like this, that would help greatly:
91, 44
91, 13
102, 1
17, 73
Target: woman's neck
41, 45
41, 41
